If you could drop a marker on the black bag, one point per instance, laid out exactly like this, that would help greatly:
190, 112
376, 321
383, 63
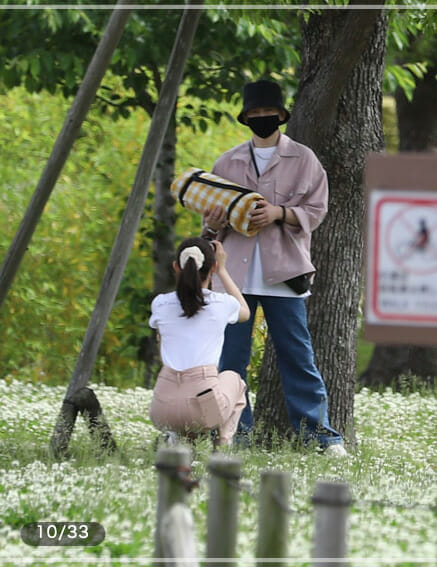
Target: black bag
299, 284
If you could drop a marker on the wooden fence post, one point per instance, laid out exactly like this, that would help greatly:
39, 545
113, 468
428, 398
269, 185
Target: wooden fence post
177, 537
172, 464
223, 509
273, 517
331, 501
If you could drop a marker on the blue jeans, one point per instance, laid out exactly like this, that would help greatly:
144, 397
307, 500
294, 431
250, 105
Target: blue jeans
305, 392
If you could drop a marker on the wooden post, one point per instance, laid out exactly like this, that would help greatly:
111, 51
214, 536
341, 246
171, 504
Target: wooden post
132, 214
177, 537
331, 501
89, 406
223, 509
171, 489
63, 145
84, 401
273, 517
69, 413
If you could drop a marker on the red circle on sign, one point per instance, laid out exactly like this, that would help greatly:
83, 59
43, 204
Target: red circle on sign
403, 253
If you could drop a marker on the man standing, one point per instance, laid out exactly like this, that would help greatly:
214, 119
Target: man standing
274, 267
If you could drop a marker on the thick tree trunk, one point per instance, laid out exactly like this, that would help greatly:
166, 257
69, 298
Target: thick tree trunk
341, 126
417, 121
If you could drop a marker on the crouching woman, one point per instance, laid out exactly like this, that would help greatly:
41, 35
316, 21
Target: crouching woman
190, 395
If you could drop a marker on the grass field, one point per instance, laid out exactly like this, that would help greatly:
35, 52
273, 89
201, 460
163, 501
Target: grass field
395, 464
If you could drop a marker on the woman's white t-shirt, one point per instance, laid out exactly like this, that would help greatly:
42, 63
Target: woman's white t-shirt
194, 341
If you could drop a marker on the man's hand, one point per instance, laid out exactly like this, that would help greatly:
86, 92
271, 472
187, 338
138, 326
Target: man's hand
264, 214
215, 218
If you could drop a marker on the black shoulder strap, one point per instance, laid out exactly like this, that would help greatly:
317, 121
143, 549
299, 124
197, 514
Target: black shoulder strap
253, 159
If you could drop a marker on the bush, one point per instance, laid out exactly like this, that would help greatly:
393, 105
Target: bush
46, 313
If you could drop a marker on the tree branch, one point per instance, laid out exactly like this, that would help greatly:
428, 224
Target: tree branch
156, 77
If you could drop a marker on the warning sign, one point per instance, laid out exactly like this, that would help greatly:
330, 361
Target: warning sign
403, 271
401, 249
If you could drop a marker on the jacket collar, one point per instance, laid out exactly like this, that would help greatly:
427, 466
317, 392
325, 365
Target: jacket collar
286, 147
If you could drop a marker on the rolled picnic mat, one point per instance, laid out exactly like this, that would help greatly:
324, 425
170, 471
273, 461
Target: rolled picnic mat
198, 190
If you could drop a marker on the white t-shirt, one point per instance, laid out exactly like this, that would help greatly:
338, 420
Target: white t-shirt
254, 283
194, 341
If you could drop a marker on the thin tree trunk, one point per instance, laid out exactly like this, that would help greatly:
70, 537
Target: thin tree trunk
164, 233
338, 114
417, 122
163, 245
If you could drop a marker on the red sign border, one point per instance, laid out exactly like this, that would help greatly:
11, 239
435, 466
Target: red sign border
374, 298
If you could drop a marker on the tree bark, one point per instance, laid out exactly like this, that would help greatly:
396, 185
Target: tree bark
164, 233
417, 122
163, 245
338, 114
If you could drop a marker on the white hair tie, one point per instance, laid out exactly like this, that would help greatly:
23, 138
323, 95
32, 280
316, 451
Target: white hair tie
192, 252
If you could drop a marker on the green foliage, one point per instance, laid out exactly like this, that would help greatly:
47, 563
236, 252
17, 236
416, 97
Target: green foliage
404, 76
58, 44
48, 308
259, 336
54, 44
45, 316
46, 313
411, 48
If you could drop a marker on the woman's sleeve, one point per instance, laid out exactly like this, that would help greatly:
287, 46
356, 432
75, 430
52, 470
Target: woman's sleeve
233, 308
153, 320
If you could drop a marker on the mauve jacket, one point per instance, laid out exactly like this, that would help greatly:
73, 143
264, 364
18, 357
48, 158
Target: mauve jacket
294, 177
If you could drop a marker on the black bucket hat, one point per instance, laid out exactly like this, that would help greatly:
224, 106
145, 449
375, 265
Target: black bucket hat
262, 93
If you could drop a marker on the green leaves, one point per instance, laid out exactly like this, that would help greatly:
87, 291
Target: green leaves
403, 76
411, 48
45, 316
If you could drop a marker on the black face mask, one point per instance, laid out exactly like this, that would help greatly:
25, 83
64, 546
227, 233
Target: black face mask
263, 126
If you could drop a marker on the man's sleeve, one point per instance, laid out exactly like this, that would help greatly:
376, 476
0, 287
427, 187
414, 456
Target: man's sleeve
313, 206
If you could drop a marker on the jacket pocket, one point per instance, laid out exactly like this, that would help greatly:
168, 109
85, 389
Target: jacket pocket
284, 194
211, 406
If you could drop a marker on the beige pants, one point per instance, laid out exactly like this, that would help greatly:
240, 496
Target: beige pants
176, 403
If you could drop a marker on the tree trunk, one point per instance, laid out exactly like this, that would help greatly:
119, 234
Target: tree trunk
395, 365
164, 234
163, 245
338, 114
417, 122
